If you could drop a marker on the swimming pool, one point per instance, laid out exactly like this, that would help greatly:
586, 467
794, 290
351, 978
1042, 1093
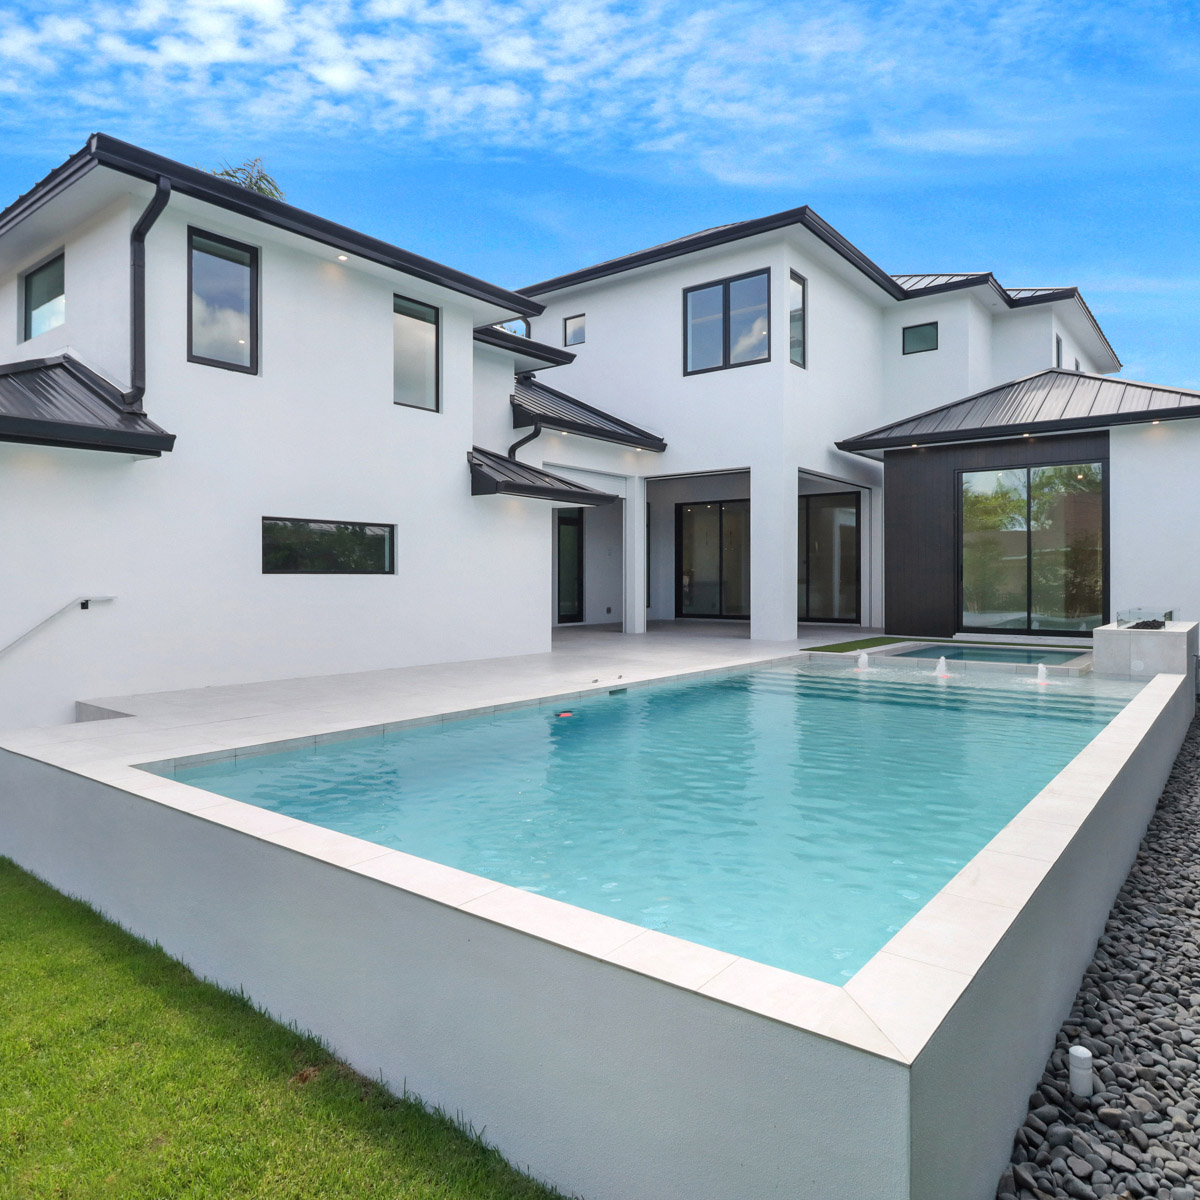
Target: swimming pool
1004, 654
794, 816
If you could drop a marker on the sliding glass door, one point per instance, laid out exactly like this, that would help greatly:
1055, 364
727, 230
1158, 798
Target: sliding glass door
1032, 551
829, 571
713, 559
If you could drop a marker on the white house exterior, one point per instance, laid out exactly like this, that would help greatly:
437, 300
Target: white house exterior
308, 430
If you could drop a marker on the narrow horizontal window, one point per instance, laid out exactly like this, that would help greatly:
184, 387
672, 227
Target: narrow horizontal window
223, 303
414, 354
45, 297
727, 323
295, 547
574, 330
797, 289
919, 338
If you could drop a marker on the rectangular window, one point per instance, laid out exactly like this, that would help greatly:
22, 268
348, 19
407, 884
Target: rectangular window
1077, 364
44, 301
712, 559
574, 330
919, 338
414, 354
295, 547
797, 289
727, 323
1057, 351
1033, 549
223, 302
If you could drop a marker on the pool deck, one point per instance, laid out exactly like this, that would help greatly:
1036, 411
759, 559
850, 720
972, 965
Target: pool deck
199, 721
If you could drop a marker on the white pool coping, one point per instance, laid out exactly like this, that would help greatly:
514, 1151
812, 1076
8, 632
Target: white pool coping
890, 1007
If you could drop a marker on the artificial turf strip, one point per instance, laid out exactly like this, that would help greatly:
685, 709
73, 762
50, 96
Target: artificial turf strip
862, 644
123, 1075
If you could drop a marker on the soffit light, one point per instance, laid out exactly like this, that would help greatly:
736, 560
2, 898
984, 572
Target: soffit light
343, 257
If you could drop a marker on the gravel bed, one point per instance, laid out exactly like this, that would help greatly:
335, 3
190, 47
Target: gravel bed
1138, 1011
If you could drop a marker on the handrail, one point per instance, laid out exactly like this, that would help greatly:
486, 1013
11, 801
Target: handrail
82, 601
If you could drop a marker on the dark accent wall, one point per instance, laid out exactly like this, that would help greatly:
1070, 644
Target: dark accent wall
921, 518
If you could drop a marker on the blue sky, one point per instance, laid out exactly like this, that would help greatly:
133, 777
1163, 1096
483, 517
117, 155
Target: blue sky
1050, 142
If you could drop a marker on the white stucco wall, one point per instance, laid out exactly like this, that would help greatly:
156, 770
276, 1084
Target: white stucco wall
315, 434
1154, 507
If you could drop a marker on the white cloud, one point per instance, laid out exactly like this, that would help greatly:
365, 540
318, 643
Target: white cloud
743, 90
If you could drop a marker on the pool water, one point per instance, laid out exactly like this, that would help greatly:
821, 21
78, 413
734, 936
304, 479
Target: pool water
793, 815
1006, 654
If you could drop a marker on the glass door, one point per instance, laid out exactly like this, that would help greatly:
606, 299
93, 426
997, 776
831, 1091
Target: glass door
569, 532
712, 542
1032, 550
828, 581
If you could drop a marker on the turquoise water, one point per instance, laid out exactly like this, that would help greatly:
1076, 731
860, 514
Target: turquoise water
796, 816
1008, 654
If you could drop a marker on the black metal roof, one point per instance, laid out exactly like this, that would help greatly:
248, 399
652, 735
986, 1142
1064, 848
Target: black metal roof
502, 339
535, 403
718, 235
494, 474
60, 402
1052, 401
105, 151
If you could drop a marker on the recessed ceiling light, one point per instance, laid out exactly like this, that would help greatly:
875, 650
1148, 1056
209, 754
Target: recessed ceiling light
343, 257
1153, 422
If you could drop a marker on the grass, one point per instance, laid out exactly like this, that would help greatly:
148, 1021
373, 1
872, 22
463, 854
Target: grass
861, 644
123, 1075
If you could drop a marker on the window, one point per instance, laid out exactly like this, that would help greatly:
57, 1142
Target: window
727, 323
574, 330
797, 329
569, 525
712, 559
294, 547
919, 338
414, 354
1033, 549
44, 302
1057, 351
223, 307
1077, 364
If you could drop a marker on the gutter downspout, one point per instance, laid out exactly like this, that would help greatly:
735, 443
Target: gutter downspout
512, 450
137, 295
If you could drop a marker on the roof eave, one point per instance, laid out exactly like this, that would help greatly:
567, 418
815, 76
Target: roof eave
30, 431
523, 347
524, 418
1009, 433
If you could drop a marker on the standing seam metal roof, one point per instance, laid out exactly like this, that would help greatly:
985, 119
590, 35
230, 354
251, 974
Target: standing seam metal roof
1052, 401
535, 402
59, 402
494, 474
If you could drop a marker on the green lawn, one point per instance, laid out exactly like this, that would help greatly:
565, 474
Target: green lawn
123, 1075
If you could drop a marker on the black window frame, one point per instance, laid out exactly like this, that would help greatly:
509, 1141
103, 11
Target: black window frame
796, 277
1077, 364
921, 325
804, 502
1011, 462
194, 231
23, 294
575, 317
437, 355
724, 283
573, 517
391, 543
680, 615
1058, 350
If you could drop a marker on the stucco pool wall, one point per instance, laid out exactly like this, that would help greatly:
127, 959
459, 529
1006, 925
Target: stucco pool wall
616, 1063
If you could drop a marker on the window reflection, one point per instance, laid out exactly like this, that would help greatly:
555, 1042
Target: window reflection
222, 302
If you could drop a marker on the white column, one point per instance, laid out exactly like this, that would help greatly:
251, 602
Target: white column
773, 556
634, 556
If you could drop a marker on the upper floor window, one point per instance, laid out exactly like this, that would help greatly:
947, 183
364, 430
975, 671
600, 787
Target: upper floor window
44, 302
223, 305
797, 327
916, 339
414, 354
574, 330
296, 547
727, 323
1077, 364
1057, 350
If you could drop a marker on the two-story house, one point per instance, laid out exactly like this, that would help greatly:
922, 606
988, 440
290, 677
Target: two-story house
256, 444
